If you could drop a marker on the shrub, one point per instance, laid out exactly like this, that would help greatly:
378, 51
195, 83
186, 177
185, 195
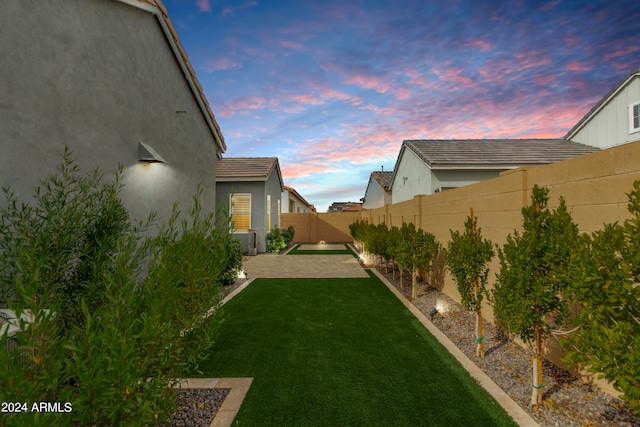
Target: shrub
233, 264
607, 295
275, 241
287, 234
116, 315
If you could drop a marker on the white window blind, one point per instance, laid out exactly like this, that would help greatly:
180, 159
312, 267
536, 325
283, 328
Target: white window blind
240, 212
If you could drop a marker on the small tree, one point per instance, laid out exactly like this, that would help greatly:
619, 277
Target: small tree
467, 256
416, 250
533, 266
608, 299
392, 247
358, 231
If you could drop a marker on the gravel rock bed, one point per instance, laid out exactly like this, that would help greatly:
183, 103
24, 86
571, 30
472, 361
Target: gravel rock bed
196, 407
567, 400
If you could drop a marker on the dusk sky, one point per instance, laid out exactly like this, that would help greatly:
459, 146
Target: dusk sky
332, 88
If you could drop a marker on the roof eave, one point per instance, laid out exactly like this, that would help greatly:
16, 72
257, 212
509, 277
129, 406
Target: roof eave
162, 17
600, 104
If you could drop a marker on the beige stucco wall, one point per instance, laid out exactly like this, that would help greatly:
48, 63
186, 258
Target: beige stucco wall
312, 227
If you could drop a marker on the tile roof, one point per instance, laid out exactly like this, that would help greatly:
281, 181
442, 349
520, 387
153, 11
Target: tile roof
383, 178
494, 152
293, 191
189, 69
602, 102
245, 167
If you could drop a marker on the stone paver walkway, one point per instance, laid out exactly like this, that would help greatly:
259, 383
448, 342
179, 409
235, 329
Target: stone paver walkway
290, 266
322, 247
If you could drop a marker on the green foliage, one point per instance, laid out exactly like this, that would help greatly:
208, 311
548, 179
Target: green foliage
415, 248
358, 230
275, 241
392, 244
115, 315
533, 269
287, 234
233, 264
467, 256
607, 295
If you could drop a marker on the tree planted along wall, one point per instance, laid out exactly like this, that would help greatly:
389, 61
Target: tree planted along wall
534, 267
467, 256
607, 294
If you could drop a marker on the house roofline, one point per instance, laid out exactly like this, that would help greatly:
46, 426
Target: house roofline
295, 193
600, 104
158, 9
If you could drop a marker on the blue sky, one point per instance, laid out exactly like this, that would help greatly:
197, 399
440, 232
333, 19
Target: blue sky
332, 88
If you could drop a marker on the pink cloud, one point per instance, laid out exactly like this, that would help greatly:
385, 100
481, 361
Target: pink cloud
531, 59
307, 99
550, 5
576, 66
204, 5
543, 80
227, 11
367, 82
221, 64
483, 45
497, 71
242, 105
621, 52
291, 45
455, 76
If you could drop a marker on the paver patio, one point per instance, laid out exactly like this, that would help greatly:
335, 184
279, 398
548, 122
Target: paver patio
316, 266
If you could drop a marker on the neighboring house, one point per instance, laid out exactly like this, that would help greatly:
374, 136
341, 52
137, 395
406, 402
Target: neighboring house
378, 192
431, 166
615, 119
293, 202
250, 189
104, 78
345, 207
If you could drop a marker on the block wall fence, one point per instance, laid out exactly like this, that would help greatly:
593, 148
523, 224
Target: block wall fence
594, 187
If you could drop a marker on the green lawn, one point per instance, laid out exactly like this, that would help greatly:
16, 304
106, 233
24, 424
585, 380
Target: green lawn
345, 251
342, 352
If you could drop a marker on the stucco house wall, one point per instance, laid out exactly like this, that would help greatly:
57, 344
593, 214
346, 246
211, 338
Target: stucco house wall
289, 198
375, 196
444, 179
259, 191
100, 76
418, 178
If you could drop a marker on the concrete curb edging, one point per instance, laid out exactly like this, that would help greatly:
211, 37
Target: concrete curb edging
231, 405
519, 415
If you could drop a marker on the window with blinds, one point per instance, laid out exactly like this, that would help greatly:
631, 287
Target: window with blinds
240, 212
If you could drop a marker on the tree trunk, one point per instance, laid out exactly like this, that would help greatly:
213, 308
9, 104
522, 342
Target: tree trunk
393, 270
536, 391
479, 332
414, 273
401, 278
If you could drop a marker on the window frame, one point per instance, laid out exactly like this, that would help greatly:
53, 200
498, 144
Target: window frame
632, 127
232, 213
268, 213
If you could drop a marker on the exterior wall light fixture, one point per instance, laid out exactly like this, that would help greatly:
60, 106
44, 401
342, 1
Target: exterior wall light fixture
147, 154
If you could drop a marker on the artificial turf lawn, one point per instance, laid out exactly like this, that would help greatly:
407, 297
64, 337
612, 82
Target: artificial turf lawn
342, 352
298, 251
